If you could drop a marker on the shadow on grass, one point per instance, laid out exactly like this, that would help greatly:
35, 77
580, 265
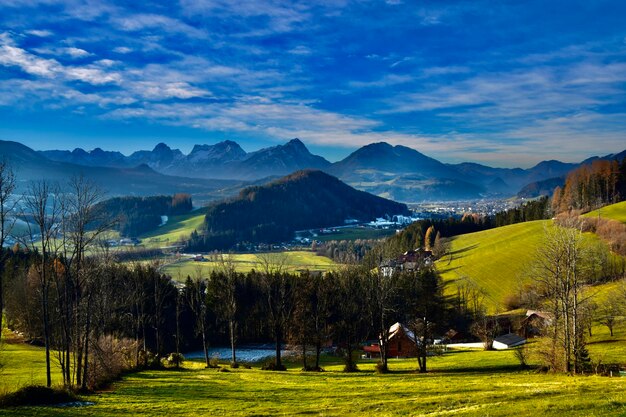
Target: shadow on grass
463, 250
445, 270
601, 342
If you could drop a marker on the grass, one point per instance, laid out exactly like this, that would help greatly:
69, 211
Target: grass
606, 348
614, 211
23, 364
354, 233
294, 261
177, 228
464, 383
494, 260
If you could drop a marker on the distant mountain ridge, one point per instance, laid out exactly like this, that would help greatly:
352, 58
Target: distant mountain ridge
223, 160
142, 180
396, 172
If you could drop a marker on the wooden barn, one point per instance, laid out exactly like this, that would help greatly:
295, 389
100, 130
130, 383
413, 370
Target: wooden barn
401, 344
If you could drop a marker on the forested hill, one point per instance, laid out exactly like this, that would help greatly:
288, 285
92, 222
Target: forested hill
272, 212
137, 215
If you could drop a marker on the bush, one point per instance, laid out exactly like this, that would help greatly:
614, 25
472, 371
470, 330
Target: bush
521, 354
214, 362
37, 395
175, 359
234, 365
109, 359
381, 368
271, 366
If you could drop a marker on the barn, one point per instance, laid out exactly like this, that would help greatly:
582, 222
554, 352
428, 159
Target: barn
401, 344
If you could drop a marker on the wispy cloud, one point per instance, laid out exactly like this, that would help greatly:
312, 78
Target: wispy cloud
479, 81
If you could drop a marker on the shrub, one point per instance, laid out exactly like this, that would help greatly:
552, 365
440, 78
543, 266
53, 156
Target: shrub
271, 366
175, 359
381, 368
521, 354
37, 395
214, 361
109, 359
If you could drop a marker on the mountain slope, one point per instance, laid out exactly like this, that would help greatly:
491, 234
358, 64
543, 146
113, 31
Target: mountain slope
279, 160
272, 212
403, 174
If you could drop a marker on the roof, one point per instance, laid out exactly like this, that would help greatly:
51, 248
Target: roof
510, 340
542, 314
399, 329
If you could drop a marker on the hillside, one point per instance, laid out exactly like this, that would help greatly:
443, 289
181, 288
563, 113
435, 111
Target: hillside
177, 228
614, 211
273, 212
493, 260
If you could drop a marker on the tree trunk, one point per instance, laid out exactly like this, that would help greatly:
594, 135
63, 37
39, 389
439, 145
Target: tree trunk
318, 350
205, 347
278, 363
231, 326
87, 331
46, 333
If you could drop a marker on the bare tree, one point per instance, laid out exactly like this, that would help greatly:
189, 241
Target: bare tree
611, 312
229, 300
7, 221
43, 212
199, 305
560, 270
383, 291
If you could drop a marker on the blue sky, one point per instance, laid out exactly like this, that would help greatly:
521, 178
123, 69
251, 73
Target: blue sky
502, 83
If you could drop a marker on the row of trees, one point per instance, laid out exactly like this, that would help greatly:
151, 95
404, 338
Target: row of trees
590, 186
128, 315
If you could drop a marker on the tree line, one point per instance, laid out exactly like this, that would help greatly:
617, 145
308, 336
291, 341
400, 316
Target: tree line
591, 186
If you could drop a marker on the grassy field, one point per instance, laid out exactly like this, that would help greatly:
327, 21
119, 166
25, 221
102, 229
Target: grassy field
293, 261
494, 260
614, 211
354, 233
463, 383
22, 364
177, 228
497, 260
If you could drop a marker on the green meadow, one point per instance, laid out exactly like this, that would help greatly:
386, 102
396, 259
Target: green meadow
290, 261
614, 211
463, 383
494, 260
497, 261
177, 228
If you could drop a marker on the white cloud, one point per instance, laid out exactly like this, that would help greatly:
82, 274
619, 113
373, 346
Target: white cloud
139, 22
41, 33
76, 52
31, 64
122, 50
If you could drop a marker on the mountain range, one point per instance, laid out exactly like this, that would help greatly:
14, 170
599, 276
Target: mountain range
395, 172
140, 180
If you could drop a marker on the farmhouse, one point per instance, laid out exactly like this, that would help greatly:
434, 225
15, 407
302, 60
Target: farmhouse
401, 343
534, 323
412, 260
